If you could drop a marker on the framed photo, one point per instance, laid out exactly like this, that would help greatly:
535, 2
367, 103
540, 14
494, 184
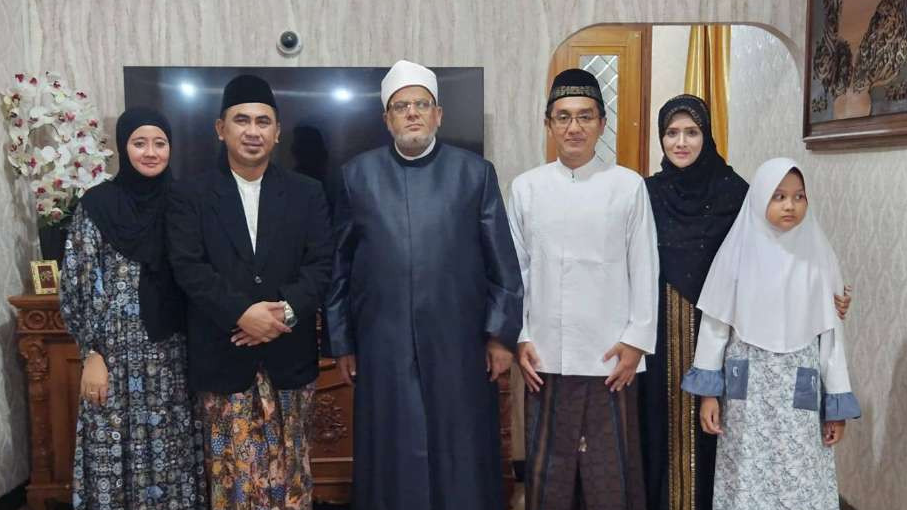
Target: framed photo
855, 79
46, 276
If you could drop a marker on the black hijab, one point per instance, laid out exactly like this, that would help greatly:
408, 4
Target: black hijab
695, 206
129, 212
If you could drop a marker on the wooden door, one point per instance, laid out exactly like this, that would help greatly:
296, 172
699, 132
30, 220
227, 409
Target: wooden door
620, 58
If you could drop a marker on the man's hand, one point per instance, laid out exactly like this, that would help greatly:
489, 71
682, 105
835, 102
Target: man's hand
627, 361
530, 362
240, 337
710, 415
497, 358
260, 323
347, 366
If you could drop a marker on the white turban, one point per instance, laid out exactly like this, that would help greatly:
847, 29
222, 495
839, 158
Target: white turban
406, 74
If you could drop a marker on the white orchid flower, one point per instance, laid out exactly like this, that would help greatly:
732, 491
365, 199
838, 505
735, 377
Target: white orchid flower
46, 155
73, 156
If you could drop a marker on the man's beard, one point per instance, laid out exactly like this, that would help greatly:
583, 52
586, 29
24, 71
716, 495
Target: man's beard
414, 142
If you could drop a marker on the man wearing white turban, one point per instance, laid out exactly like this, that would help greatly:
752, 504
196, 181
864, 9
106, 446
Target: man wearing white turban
424, 310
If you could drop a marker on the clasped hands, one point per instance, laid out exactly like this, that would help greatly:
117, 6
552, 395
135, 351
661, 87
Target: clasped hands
260, 323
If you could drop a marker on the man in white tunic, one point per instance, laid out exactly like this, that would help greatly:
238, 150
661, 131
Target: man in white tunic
585, 239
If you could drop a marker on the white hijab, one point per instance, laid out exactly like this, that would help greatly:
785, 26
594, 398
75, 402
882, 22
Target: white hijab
775, 288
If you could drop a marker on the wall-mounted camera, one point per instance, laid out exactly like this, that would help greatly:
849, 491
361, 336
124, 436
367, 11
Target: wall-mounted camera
289, 43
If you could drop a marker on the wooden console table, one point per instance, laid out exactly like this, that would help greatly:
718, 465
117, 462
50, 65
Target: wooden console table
54, 370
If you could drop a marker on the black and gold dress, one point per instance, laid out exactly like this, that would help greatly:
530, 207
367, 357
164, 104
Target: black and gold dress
694, 207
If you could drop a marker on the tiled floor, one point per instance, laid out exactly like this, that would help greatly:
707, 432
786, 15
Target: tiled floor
516, 502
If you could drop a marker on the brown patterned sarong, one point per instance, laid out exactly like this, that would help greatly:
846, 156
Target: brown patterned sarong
582, 446
256, 447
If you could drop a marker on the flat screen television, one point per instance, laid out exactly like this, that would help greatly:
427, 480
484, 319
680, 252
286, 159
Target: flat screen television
327, 114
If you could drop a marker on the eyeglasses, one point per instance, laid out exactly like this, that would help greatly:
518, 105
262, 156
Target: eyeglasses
401, 107
562, 120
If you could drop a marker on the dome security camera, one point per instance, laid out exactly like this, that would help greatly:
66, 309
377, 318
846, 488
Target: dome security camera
289, 43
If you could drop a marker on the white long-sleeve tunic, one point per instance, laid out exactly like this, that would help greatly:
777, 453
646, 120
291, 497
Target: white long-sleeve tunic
714, 336
587, 248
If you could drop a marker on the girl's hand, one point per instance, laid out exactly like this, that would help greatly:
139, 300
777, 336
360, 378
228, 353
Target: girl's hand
832, 432
710, 415
842, 303
94, 380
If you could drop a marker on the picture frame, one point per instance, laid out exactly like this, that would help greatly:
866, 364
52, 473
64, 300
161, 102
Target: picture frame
45, 276
854, 98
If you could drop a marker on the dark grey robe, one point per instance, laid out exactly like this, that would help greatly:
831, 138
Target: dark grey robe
424, 272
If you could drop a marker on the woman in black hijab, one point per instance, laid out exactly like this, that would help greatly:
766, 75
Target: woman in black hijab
136, 446
695, 200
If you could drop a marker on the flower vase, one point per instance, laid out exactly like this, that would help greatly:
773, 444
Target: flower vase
53, 239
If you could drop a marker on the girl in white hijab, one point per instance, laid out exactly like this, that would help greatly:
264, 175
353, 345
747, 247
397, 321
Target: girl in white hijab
772, 347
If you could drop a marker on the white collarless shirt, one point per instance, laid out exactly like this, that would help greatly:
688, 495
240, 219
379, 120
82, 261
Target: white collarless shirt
586, 242
249, 194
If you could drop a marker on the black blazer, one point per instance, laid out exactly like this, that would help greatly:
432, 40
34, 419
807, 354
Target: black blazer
213, 262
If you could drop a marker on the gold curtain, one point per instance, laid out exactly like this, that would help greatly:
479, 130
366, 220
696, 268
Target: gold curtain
708, 72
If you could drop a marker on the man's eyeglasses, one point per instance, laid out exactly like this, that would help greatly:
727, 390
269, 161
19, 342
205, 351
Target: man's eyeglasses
562, 120
401, 107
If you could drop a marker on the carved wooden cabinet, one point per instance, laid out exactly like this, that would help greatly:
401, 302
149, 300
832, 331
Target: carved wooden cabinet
54, 369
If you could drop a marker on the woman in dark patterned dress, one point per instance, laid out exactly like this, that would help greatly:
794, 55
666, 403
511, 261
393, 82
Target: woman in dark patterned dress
137, 446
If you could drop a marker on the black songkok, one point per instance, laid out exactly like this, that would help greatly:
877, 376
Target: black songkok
247, 88
575, 82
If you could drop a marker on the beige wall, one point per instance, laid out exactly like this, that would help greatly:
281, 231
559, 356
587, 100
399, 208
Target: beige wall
18, 240
860, 196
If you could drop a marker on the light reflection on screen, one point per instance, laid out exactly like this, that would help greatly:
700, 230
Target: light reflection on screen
327, 114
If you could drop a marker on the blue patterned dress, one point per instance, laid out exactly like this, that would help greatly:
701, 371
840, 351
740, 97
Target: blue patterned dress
142, 449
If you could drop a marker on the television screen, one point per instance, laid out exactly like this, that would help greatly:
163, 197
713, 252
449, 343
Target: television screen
327, 114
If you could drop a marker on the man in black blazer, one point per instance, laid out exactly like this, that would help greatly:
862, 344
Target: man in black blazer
250, 245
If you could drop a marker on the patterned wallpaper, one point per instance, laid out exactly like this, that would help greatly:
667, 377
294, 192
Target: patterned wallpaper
18, 239
90, 41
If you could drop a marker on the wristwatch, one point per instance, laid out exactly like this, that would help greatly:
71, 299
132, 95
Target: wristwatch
289, 318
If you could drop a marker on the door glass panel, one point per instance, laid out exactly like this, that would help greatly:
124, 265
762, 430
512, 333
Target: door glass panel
605, 70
